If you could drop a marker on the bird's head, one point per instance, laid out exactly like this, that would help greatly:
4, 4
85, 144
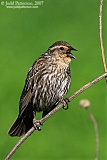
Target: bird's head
61, 51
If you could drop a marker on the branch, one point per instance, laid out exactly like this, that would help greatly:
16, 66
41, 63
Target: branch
101, 39
51, 113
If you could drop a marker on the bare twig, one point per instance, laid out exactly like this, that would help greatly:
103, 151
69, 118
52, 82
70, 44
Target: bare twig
19, 143
101, 39
95, 130
53, 112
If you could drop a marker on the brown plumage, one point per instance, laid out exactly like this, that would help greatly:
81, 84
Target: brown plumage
48, 80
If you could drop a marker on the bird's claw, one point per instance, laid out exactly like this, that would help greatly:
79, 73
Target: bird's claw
65, 107
37, 124
65, 101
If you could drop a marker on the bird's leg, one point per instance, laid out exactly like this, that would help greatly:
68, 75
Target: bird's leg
65, 101
36, 123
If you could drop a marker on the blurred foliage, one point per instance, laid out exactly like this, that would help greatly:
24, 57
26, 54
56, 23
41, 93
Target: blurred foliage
24, 35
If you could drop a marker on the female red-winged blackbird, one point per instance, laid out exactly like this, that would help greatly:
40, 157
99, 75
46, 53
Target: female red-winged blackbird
48, 80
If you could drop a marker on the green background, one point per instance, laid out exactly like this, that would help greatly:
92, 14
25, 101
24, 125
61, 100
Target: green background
24, 35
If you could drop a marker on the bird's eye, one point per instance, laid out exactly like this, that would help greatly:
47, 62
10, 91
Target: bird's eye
61, 48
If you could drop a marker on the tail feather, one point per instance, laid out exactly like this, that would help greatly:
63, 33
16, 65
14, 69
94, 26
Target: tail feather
21, 125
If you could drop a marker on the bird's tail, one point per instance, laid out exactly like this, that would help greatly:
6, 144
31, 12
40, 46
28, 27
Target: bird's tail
21, 125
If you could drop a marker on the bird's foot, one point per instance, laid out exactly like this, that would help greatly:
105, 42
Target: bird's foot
37, 124
65, 101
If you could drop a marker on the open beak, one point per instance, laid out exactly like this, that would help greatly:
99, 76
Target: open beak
70, 54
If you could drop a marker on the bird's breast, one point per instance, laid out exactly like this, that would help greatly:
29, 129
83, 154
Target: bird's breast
50, 87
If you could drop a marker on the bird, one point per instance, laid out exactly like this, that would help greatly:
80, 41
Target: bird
46, 84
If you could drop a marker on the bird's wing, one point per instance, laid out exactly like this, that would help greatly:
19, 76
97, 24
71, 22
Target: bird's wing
28, 90
33, 76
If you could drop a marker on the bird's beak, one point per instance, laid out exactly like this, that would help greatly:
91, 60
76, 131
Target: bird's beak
70, 54
71, 48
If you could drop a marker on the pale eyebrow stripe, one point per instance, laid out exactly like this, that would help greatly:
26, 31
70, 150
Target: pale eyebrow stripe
57, 47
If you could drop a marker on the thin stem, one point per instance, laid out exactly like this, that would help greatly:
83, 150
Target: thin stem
101, 39
51, 113
95, 130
